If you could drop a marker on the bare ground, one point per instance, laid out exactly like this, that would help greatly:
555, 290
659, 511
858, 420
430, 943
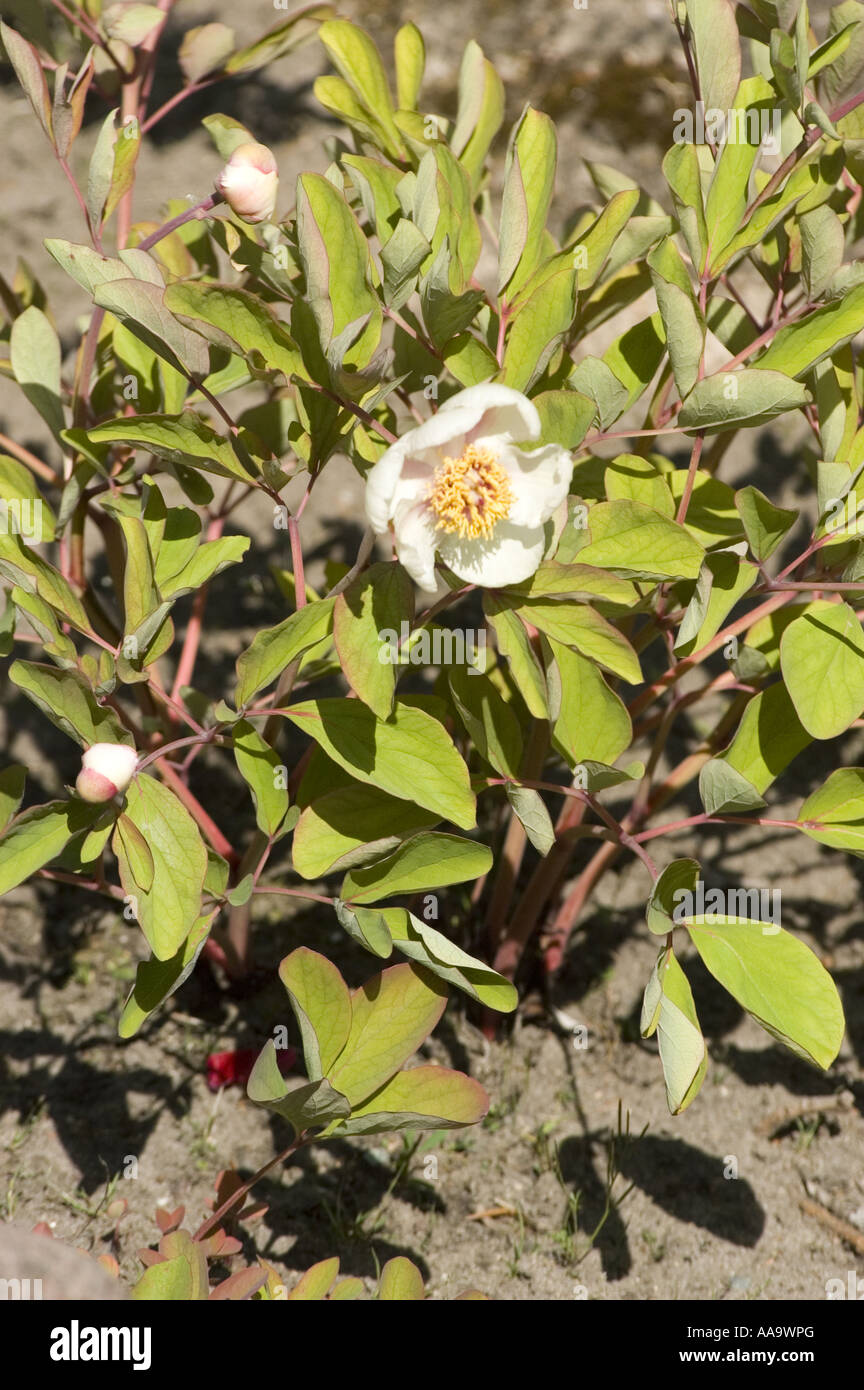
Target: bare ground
714, 1210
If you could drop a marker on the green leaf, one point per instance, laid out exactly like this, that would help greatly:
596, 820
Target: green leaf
34, 354
352, 825
468, 360
723, 580
635, 541
302, 1104
591, 249
797, 348
587, 632
226, 133
754, 107
768, 737
377, 603
531, 810
513, 643
593, 723
140, 596
409, 52
836, 44
38, 835
141, 307
529, 178
777, 979
391, 1015
425, 1097
44, 623
402, 255
322, 1006
682, 322
367, 927
124, 160
583, 582
286, 36
236, 319
21, 565
765, 524
167, 910
635, 356
718, 53
136, 852
491, 723
274, 648
565, 417
480, 112
424, 862
429, 947
680, 874
316, 1283
356, 58
12, 780
156, 980
539, 329
683, 174
131, 23
834, 813
336, 263
822, 660
409, 755
711, 515
204, 49
668, 1007
822, 246
632, 478
209, 559
747, 396
260, 767
24, 501
28, 69
99, 174
68, 701
598, 383
170, 1280
90, 269
179, 439
401, 1280
442, 206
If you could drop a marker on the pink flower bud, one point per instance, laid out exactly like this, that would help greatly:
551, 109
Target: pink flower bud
106, 769
249, 182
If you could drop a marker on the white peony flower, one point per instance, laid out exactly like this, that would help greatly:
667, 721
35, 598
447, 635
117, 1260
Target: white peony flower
458, 486
249, 182
106, 769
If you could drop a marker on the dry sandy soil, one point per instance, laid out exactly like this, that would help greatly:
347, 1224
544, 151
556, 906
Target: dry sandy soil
713, 1211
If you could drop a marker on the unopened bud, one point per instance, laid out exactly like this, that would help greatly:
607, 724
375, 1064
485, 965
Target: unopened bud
106, 769
249, 182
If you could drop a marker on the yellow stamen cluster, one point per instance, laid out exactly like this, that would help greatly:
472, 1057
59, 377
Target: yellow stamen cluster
470, 494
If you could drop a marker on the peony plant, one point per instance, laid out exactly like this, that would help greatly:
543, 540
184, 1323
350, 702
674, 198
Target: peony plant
632, 601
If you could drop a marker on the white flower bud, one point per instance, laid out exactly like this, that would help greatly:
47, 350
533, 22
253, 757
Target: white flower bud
249, 182
106, 770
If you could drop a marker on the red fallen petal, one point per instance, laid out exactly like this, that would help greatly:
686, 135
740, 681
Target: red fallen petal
234, 1068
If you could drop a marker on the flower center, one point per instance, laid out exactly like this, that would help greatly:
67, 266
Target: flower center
470, 494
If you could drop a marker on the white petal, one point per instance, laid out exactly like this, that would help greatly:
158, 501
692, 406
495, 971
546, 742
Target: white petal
507, 557
540, 482
415, 543
411, 461
391, 481
498, 410
115, 761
